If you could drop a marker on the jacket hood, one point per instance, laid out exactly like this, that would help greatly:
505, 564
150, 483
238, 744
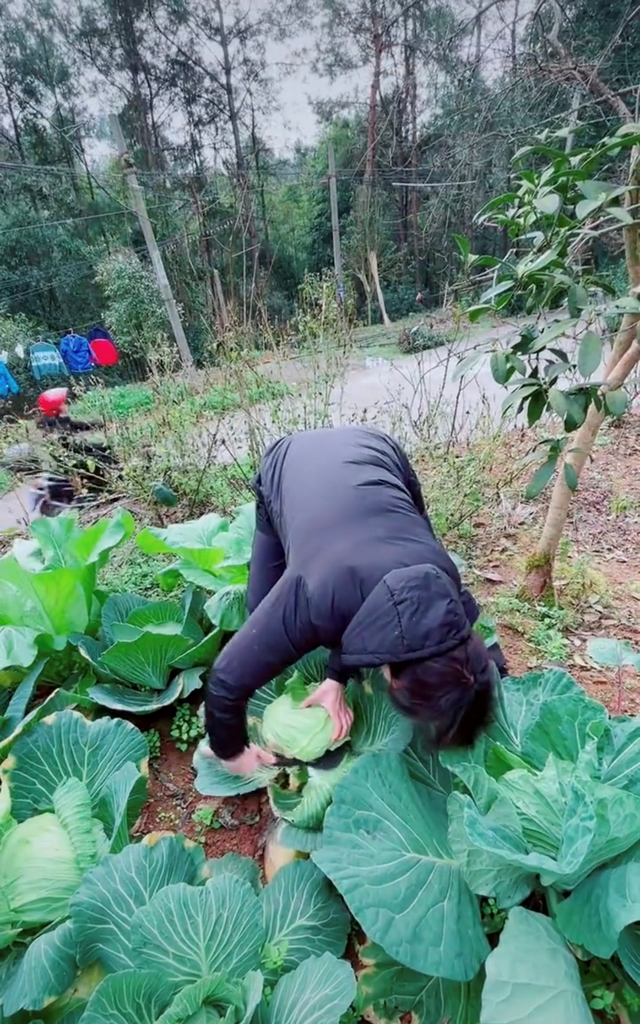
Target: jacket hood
412, 613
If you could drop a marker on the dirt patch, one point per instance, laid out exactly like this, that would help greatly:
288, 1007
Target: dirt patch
230, 825
597, 573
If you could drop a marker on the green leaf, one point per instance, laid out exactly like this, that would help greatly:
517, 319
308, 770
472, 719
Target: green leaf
541, 478
305, 840
108, 897
307, 807
117, 697
416, 904
622, 754
532, 977
621, 214
589, 353
389, 992
44, 972
377, 725
213, 779
132, 997
629, 951
18, 647
213, 997
611, 653
120, 803
586, 207
59, 700
61, 542
463, 244
303, 915
550, 203
17, 708
536, 406
570, 476
319, 991
616, 402
602, 906
499, 367
199, 541
145, 660
185, 932
227, 609
69, 746
558, 402
72, 807
116, 610
577, 299
237, 865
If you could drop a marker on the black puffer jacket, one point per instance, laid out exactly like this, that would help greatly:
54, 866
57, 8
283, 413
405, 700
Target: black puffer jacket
365, 575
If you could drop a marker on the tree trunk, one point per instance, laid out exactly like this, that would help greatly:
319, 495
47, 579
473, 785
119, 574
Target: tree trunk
377, 39
241, 165
624, 359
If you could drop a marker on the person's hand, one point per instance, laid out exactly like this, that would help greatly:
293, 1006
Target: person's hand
330, 695
247, 761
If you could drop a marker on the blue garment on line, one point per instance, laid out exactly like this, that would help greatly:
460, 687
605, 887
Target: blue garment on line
75, 351
8, 386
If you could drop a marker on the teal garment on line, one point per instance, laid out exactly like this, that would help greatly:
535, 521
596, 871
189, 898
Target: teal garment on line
8, 385
46, 361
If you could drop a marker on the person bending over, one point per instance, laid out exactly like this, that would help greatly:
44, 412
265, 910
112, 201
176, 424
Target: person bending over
345, 557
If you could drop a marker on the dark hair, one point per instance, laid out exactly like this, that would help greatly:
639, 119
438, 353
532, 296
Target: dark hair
452, 693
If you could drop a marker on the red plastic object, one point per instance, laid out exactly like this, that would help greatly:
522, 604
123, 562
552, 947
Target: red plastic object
50, 402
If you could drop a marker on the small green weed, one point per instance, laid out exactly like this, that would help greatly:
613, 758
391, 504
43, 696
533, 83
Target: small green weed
542, 625
153, 740
493, 917
186, 728
206, 817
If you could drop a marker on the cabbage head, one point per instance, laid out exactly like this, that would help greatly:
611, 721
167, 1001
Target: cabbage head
293, 731
43, 859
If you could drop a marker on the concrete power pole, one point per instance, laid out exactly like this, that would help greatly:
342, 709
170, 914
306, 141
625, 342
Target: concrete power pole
335, 222
149, 237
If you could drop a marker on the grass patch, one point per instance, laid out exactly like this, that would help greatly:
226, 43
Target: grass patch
542, 626
129, 570
7, 481
128, 401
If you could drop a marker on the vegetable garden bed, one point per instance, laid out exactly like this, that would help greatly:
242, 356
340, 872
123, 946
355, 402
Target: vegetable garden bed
493, 886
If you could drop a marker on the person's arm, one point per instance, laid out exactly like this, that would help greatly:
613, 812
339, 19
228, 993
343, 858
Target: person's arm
276, 635
267, 562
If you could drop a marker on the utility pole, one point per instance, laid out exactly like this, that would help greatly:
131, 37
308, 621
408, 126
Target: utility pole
149, 237
335, 222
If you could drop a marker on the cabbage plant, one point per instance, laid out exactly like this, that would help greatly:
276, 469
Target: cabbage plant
532, 837
70, 793
48, 587
171, 937
148, 654
212, 553
301, 794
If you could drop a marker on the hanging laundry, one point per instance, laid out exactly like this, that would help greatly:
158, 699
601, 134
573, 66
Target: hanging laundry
102, 346
98, 331
4, 356
8, 386
19, 350
46, 361
75, 351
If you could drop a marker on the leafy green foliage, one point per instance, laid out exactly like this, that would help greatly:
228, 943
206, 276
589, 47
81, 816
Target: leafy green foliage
48, 586
301, 795
186, 728
295, 731
556, 205
125, 907
214, 554
148, 653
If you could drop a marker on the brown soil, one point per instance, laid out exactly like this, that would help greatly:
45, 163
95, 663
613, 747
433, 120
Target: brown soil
238, 824
599, 578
